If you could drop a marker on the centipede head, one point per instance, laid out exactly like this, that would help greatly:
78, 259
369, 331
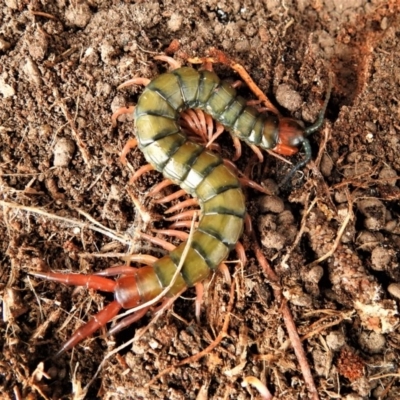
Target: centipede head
291, 132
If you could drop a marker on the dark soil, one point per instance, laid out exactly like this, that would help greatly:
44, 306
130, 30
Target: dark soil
332, 236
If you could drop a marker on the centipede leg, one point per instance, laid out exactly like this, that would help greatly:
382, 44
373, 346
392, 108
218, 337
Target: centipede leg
130, 144
121, 111
172, 62
223, 268
219, 130
142, 170
158, 241
89, 281
173, 232
173, 196
257, 152
241, 253
136, 316
244, 180
134, 81
218, 56
99, 320
182, 204
183, 215
181, 224
199, 299
160, 186
200, 128
238, 148
190, 120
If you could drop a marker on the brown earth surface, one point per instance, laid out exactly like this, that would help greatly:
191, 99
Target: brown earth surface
332, 237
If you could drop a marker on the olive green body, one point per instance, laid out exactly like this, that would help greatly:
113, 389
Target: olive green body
197, 170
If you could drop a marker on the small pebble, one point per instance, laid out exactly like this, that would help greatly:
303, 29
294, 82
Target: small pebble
32, 72
78, 15
4, 45
340, 196
387, 173
286, 218
326, 165
335, 340
367, 240
381, 258
175, 22
271, 204
315, 274
373, 342
375, 212
394, 290
288, 98
63, 151
297, 297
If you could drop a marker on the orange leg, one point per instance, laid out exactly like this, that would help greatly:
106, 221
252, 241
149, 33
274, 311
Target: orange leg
130, 144
92, 282
160, 186
173, 196
171, 61
241, 253
135, 81
121, 111
184, 215
99, 320
173, 232
142, 170
182, 204
158, 241
220, 57
128, 321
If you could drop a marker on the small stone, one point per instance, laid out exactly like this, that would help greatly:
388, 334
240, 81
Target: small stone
315, 274
78, 15
340, 196
288, 98
387, 173
6, 90
4, 45
367, 240
32, 71
335, 340
394, 290
63, 151
175, 22
375, 212
373, 342
326, 165
271, 204
381, 258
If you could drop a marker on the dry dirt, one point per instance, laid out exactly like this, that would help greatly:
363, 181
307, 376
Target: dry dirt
332, 237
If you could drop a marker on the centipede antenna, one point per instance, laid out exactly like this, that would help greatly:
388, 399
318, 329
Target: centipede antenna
300, 164
318, 123
308, 131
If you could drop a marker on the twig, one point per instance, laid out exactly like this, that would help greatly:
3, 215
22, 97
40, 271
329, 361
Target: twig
210, 347
336, 243
96, 226
288, 319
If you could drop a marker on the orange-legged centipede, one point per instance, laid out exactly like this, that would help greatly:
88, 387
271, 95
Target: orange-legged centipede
198, 171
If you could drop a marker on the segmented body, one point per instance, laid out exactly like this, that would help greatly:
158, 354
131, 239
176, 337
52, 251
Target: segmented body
198, 171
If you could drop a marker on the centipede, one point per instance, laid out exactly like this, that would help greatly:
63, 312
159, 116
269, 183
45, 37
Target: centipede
199, 172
